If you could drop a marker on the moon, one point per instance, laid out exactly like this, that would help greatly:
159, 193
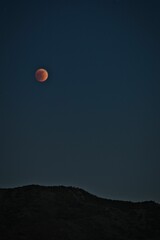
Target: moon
41, 75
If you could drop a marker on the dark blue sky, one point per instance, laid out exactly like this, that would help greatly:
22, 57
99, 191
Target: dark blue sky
95, 122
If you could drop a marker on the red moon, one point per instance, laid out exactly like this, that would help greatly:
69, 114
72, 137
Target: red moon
41, 75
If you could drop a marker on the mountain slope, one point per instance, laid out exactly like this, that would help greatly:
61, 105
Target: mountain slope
66, 213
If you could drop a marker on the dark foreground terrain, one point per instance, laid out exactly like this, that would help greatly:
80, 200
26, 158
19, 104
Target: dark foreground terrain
67, 213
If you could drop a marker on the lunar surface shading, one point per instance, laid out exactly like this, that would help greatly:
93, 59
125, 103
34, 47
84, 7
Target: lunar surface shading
41, 75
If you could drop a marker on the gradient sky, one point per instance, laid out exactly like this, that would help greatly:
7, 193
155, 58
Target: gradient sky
95, 123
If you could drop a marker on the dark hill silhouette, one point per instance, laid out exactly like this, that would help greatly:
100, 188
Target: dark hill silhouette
68, 213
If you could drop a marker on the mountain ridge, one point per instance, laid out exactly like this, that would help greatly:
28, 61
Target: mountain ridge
66, 212
76, 188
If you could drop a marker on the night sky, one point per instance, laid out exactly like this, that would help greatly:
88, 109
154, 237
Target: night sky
95, 123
